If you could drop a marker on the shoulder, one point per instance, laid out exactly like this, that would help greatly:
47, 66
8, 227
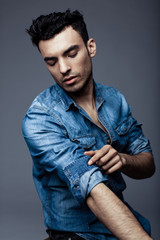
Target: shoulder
41, 110
109, 92
45, 101
114, 101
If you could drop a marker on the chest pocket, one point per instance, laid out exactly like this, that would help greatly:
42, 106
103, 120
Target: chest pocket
86, 142
123, 128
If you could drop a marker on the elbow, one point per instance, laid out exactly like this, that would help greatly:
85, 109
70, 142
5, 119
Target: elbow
151, 168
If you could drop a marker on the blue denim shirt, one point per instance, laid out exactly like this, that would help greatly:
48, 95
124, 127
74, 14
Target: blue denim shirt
57, 132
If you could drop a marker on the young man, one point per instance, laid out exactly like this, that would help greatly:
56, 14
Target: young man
81, 136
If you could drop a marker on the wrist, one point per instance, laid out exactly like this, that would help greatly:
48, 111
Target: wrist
123, 157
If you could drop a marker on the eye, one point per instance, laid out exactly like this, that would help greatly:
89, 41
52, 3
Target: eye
72, 53
51, 63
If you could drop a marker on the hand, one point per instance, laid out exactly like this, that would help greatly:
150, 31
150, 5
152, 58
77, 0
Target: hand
106, 158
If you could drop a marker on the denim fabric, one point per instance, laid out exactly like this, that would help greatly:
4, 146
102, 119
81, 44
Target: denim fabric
57, 132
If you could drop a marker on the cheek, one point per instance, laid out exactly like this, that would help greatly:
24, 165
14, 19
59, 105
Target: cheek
54, 73
87, 66
84, 64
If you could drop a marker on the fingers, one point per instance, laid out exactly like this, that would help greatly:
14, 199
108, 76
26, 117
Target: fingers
102, 156
96, 156
110, 156
89, 153
114, 162
114, 168
106, 158
109, 164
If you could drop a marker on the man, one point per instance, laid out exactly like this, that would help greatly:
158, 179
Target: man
81, 136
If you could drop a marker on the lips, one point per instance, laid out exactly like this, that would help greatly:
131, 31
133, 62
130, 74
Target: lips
70, 80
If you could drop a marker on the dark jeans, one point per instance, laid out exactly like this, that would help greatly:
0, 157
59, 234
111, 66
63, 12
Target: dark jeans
57, 235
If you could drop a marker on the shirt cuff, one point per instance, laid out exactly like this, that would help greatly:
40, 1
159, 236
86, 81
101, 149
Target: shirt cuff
82, 178
90, 179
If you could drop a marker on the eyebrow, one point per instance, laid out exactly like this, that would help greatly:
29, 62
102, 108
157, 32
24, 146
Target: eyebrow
70, 49
49, 59
65, 52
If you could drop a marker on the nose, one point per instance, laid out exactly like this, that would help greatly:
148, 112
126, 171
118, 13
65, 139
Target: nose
64, 66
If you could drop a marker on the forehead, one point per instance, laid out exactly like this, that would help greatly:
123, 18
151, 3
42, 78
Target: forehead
60, 42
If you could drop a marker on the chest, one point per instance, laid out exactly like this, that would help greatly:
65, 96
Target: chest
92, 130
94, 116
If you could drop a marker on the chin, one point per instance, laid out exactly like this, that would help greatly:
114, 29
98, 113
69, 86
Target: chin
76, 88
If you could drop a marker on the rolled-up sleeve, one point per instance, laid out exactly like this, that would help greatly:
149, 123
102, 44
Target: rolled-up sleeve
52, 150
131, 130
83, 178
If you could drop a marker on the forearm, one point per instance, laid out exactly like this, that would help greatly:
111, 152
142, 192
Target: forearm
112, 212
138, 166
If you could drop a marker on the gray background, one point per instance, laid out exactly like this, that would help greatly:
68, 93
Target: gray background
128, 57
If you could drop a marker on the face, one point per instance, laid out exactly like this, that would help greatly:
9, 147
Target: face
68, 59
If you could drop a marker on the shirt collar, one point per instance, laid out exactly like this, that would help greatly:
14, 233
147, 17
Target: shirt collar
68, 102
98, 96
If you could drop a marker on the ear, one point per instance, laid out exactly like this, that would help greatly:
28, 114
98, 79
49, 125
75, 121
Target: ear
91, 45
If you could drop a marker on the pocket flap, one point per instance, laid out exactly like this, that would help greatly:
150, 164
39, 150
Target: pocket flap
85, 141
124, 127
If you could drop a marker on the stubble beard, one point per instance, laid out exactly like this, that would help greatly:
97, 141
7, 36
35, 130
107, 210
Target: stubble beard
80, 91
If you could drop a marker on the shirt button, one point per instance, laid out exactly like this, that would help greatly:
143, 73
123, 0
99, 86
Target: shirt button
108, 141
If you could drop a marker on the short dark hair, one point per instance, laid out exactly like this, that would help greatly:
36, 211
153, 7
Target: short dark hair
47, 26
